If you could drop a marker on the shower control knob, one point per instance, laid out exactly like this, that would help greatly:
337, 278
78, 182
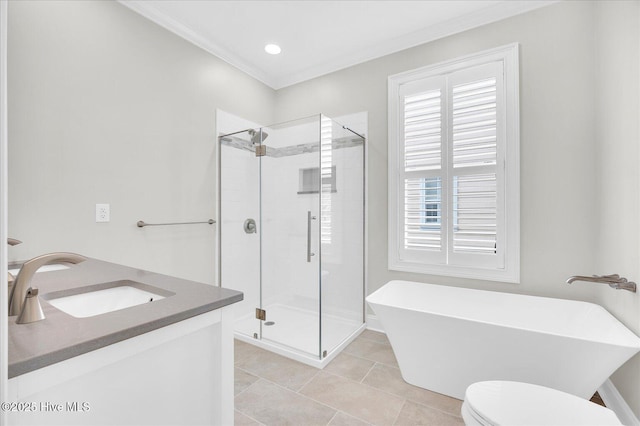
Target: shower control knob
249, 226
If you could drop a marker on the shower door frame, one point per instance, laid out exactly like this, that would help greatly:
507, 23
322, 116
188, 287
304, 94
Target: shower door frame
259, 335
321, 359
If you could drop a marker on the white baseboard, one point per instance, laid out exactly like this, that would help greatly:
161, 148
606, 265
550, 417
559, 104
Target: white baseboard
374, 324
608, 392
614, 401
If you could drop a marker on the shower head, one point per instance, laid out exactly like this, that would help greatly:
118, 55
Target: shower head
255, 136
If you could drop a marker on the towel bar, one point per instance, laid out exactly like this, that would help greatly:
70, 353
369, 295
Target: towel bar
142, 223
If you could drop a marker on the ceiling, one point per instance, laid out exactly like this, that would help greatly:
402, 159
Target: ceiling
317, 37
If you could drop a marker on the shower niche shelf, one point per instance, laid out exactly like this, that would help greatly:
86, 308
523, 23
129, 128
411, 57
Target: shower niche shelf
309, 180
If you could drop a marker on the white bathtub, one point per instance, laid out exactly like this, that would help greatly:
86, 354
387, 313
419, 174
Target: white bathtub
446, 338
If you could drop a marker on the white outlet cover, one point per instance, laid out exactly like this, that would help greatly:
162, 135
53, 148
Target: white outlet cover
103, 212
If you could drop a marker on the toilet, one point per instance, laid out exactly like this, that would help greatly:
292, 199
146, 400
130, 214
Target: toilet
514, 403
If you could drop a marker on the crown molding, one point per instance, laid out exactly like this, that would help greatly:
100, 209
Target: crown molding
145, 9
481, 17
444, 29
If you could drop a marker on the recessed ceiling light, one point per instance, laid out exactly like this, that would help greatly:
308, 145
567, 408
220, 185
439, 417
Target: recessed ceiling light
272, 49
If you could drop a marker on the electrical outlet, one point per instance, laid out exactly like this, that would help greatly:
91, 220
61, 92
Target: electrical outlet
102, 213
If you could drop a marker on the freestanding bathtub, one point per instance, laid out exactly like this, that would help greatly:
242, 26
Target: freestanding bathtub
446, 338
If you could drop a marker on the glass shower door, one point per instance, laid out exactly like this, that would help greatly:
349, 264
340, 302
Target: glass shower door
239, 214
290, 236
342, 234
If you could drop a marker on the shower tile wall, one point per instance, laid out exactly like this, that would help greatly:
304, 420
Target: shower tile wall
287, 275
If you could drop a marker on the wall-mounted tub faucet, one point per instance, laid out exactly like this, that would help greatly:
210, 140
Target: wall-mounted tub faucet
23, 281
613, 280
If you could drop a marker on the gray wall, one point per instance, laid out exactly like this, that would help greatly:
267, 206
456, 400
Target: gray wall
617, 135
107, 107
564, 169
557, 141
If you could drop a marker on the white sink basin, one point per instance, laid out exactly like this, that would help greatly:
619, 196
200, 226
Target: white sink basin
102, 301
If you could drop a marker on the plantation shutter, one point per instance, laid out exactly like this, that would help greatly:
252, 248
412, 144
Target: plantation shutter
454, 167
421, 172
476, 123
450, 208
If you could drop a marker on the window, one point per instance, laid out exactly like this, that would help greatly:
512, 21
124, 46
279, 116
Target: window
430, 201
454, 168
328, 175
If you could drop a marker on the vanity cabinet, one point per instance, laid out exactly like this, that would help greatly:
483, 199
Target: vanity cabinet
169, 362
181, 374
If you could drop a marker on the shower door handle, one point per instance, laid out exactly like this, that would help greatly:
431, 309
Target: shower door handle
309, 254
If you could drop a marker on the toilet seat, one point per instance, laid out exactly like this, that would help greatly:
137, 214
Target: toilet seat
513, 403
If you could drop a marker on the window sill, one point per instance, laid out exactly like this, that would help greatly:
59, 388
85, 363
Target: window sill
499, 275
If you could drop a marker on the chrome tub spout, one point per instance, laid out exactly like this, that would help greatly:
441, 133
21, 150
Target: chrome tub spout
613, 281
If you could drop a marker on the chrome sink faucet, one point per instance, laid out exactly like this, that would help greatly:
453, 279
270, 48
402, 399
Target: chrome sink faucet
613, 280
22, 283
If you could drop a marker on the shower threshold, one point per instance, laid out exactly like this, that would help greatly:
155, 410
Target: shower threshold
294, 334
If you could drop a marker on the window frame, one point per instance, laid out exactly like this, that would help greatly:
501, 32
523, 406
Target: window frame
508, 160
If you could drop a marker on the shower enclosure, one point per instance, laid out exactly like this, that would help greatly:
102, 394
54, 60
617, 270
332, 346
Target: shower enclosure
292, 235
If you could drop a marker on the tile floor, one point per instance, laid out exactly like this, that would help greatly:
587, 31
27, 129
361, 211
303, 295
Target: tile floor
361, 386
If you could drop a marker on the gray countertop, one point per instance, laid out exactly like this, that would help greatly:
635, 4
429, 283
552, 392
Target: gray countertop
61, 336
